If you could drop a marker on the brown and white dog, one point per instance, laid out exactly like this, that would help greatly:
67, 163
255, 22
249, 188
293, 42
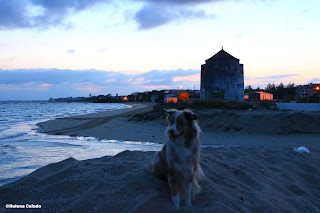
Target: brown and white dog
178, 160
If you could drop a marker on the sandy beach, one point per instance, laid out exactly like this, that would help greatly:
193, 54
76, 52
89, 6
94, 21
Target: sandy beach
260, 172
226, 127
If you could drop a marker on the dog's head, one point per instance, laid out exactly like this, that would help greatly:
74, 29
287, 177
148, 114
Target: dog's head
179, 122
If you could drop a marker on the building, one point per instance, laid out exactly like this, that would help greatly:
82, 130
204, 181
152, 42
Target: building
222, 77
170, 98
258, 96
306, 91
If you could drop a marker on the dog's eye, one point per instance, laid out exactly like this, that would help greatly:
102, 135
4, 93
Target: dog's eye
180, 123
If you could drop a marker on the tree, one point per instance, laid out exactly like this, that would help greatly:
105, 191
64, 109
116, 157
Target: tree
184, 96
248, 89
271, 88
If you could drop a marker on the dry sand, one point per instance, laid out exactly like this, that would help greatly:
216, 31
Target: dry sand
263, 174
237, 180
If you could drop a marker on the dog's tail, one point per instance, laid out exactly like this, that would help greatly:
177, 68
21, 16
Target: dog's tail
200, 174
196, 188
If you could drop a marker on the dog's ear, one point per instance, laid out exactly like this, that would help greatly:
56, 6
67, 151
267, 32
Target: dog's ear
190, 116
169, 111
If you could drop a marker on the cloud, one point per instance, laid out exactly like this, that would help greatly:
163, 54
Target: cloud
158, 87
314, 81
47, 83
155, 13
240, 34
91, 88
28, 84
71, 51
271, 77
195, 77
9, 59
281, 76
42, 14
178, 2
13, 14
110, 80
12, 59
103, 50
152, 16
17, 14
263, 81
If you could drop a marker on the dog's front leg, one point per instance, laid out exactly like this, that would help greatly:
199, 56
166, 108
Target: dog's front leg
174, 190
189, 192
189, 185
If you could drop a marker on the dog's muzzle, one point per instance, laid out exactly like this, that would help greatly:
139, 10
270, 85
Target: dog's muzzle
172, 136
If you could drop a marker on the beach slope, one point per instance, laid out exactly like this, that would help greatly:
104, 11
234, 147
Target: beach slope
237, 180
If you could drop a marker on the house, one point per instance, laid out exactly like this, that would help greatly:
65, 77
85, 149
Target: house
305, 91
258, 96
170, 98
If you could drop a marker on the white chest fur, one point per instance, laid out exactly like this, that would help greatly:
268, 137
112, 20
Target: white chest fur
178, 154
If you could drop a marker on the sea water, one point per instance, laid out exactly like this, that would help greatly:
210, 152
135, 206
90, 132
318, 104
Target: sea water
23, 149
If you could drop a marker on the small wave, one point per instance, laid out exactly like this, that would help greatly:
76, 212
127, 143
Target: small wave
16, 135
3, 128
7, 146
57, 144
82, 138
4, 149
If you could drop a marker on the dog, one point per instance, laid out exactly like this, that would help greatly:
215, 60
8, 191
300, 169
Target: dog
179, 158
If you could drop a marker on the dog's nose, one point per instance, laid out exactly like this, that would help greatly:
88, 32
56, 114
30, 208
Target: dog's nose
171, 131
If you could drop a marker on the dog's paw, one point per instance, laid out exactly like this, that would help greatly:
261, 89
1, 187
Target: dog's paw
176, 201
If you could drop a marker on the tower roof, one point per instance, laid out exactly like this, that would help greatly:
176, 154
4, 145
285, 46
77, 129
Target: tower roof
222, 55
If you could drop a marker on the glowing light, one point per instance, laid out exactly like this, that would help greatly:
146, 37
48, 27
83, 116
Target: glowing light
184, 96
125, 98
317, 88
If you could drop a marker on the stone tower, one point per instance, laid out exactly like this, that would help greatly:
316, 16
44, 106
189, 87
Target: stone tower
222, 77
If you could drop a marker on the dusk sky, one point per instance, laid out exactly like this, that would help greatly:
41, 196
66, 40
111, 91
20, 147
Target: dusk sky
62, 48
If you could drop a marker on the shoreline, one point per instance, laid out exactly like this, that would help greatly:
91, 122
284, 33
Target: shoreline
62, 126
116, 125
